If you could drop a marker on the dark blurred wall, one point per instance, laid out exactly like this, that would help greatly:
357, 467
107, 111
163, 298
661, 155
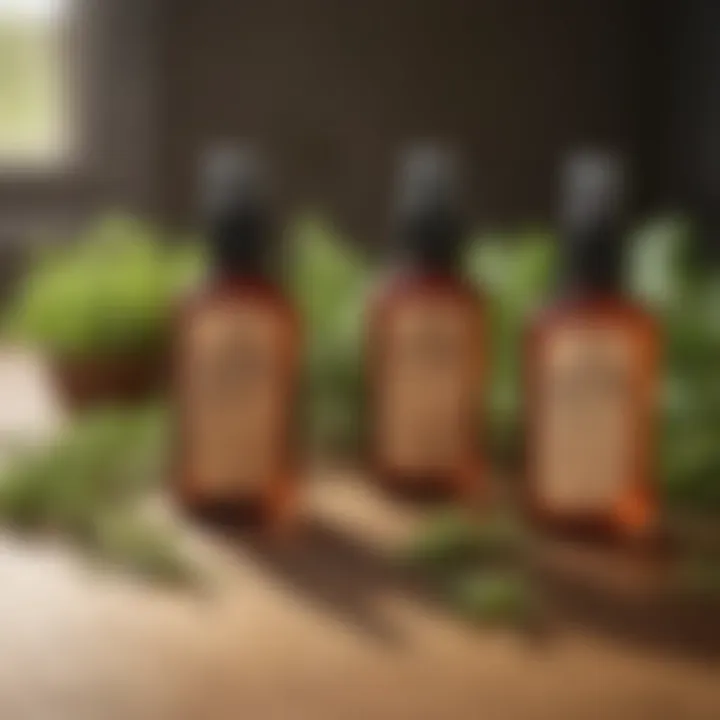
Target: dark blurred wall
694, 89
335, 87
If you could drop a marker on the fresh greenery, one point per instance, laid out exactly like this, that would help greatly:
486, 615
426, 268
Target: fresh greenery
668, 272
456, 538
90, 486
110, 290
476, 565
330, 280
493, 597
516, 271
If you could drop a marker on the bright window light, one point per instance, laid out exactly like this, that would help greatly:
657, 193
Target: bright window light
34, 88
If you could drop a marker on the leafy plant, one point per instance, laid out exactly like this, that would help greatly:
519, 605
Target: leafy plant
329, 279
668, 273
454, 538
110, 291
475, 565
516, 271
89, 486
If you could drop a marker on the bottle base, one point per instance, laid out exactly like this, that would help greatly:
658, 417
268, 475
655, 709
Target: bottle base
228, 514
419, 490
651, 540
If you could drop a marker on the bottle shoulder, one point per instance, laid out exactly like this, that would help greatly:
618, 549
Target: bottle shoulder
622, 313
616, 308
394, 287
245, 291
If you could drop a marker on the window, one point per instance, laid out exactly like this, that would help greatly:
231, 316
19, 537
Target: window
35, 102
78, 109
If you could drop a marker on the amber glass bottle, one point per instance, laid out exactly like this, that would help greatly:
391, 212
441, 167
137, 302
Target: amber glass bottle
425, 343
591, 365
236, 361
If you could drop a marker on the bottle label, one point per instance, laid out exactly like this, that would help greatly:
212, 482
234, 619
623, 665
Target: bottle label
587, 426
235, 398
428, 386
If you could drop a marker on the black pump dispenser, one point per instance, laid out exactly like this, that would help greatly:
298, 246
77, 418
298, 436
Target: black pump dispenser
429, 218
236, 208
593, 221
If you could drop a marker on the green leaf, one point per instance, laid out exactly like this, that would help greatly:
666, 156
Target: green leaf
492, 597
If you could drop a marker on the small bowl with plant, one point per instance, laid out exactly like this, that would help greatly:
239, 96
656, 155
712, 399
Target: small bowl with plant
100, 309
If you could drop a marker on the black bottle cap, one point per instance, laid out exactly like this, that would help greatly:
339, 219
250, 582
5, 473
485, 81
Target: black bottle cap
429, 216
236, 208
593, 193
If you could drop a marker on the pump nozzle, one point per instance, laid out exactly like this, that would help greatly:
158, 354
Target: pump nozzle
428, 179
593, 191
232, 177
236, 205
593, 185
429, 204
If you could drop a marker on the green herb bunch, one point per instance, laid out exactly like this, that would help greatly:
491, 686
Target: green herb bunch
91, 487
110, 291
330, 279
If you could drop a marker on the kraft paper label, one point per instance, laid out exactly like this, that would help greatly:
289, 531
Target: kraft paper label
587, 418
235, 404
429, 384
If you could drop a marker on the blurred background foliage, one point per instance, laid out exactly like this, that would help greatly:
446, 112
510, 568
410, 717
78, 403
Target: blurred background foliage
516, 271
674, 274
330, 279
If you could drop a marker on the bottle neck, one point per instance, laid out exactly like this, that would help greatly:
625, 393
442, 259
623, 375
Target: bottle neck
235, 265
593, 262
430, 244
428, 264
224, 275
240, 247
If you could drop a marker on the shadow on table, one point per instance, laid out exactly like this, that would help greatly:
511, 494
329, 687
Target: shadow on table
340, 574
344, 576
661, 619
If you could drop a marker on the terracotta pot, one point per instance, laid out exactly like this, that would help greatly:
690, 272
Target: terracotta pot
119, 378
